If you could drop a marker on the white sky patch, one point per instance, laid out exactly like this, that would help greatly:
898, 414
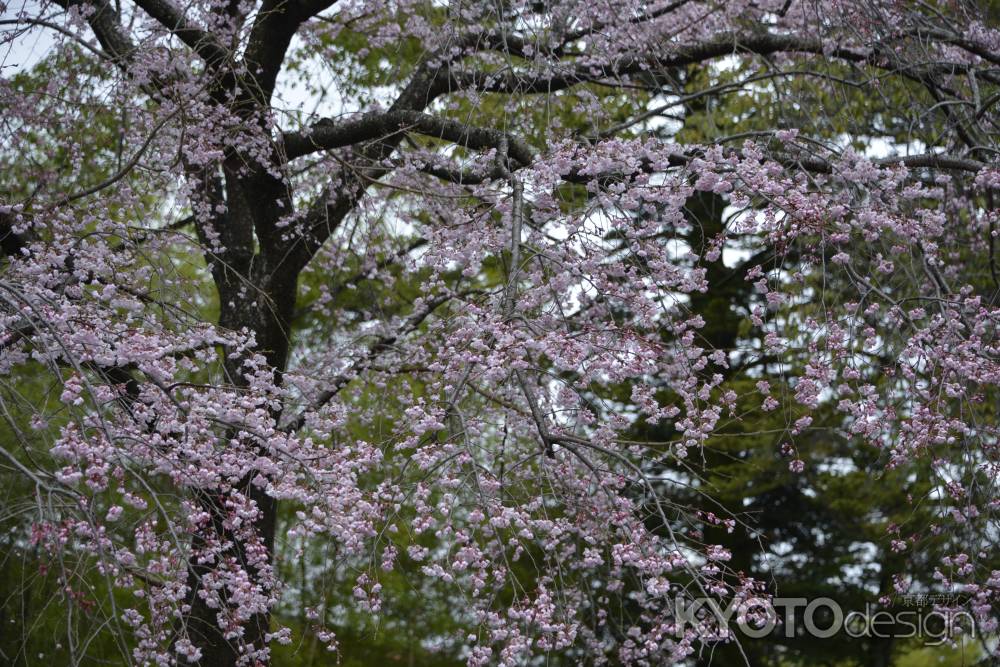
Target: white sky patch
29, 48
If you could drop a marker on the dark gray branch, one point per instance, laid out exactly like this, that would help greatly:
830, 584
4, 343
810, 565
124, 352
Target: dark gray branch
172, 18
373, 126
106, 24
763, 44
272, 32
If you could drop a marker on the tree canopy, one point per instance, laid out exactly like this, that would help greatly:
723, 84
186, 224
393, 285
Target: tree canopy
488, 332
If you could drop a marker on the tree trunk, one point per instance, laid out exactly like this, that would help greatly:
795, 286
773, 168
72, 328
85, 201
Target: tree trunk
202, 622
257, 293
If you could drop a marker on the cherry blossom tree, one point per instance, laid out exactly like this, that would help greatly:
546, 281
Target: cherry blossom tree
415, 281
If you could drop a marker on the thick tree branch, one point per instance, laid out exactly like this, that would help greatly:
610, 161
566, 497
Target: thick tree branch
271, 34
327, 134
106, 24
763, 44
329, 210
172, 18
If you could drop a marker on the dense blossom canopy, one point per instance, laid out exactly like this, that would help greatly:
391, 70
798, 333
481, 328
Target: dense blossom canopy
414, 281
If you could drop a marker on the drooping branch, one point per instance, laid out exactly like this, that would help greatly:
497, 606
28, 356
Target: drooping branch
380, 346
55, 27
